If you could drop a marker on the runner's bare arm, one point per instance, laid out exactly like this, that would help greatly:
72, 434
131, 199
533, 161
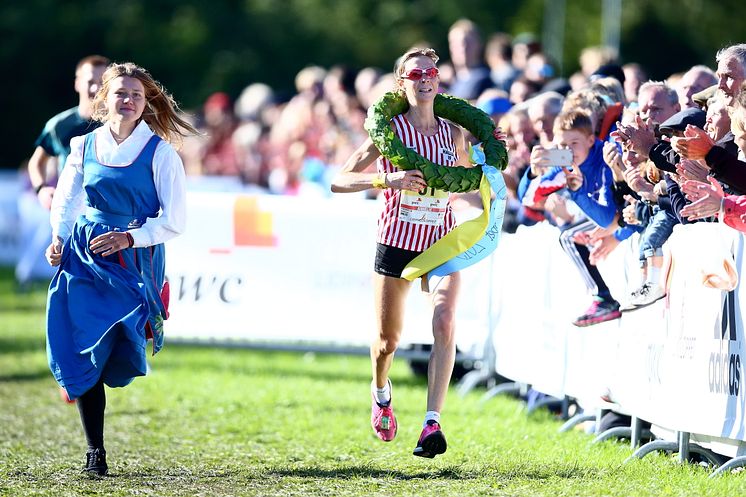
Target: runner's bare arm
352, 177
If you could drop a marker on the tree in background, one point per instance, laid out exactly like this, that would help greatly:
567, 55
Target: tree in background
196, 47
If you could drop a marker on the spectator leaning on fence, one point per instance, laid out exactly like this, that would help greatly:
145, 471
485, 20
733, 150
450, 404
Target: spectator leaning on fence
708, 198
621, 161
589, 181
665, 199
696, 144
657, 102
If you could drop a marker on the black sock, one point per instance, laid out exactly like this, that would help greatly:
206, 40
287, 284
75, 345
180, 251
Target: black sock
91, 406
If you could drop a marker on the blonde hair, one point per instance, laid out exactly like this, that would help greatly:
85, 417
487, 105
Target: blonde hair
410, 54
161, 110
589, 101
611, 87
574, 120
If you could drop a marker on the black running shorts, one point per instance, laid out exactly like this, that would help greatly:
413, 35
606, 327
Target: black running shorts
391, 261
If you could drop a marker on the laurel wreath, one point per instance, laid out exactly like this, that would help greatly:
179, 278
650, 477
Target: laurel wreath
453, 179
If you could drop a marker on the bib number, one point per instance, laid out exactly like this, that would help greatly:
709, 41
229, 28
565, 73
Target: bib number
428, 207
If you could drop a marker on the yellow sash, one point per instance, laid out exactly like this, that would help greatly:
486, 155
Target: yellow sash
461, 238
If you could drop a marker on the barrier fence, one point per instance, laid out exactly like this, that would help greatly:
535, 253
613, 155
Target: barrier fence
677, 363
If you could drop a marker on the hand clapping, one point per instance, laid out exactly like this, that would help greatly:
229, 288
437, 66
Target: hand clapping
706, 198
695, 144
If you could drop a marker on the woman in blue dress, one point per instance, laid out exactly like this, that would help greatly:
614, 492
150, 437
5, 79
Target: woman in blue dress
109, 295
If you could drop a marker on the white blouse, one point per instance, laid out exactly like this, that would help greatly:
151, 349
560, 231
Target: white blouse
168, 176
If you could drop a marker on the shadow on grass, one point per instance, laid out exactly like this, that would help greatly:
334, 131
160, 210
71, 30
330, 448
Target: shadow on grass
369, 472
363, 472
132, 412
547, 472
449, 473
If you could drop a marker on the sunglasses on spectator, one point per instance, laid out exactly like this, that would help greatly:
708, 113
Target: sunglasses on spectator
416, 74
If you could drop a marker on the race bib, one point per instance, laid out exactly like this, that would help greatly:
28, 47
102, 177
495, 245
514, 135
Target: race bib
428, 207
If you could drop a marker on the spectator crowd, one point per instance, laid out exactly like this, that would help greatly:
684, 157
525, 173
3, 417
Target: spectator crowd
645, 155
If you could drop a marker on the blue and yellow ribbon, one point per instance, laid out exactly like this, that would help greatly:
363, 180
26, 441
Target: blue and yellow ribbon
469, 242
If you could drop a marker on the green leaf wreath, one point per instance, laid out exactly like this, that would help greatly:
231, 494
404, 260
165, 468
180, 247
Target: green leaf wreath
453, 179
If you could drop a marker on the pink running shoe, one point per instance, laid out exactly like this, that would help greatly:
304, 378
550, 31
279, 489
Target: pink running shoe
382, 419
432, 441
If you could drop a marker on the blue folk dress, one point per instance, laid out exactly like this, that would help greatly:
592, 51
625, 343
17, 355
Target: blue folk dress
102, 310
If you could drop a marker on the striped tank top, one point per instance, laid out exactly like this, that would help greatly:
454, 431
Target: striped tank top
416, 220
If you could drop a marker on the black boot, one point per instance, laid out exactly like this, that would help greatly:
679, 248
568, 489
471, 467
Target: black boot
96, 462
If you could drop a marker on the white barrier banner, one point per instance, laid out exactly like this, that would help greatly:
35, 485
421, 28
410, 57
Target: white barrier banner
10, 227
686, 368
292, 269
537, 295
677, 363
592, 352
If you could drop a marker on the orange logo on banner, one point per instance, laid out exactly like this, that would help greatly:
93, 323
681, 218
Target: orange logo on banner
251, 226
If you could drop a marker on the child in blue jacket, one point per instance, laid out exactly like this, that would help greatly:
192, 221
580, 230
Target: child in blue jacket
589, 183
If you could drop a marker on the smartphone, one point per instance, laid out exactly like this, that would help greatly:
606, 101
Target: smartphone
561, 157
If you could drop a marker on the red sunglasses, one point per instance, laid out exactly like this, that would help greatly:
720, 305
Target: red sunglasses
416, 74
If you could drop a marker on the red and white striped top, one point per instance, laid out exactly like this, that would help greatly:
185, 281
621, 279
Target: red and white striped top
438, 148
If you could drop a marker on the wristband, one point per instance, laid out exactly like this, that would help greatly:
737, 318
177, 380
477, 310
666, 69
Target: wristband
37, 189
380, 181
130, 240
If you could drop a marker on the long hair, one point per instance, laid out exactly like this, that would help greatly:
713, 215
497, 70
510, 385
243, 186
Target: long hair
161, 111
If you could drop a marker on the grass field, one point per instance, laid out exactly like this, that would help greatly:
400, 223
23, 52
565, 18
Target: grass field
210, 422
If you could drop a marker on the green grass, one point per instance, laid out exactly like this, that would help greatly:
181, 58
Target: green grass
211, 422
